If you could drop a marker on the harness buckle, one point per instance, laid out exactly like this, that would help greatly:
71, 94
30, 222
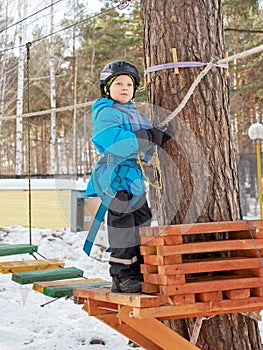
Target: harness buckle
110, 159
108, 193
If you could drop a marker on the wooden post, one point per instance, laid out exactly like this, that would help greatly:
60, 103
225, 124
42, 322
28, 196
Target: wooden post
175, 59
151, 328
148, 64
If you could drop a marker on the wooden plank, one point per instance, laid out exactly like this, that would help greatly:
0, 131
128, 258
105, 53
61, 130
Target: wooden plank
98, 307
212, 285
62, 291
199, 228
47, 275
161, 240
40, 286
209, 296
206, 247
13, 249
210, 265
149, 288
164, 280
152, 329
182, 299
29, 265
148, 250
112, 321
199, 309
237, 294
145, 269
162, 260
130, 299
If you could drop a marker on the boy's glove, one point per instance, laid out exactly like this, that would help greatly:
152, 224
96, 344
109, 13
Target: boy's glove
154, 135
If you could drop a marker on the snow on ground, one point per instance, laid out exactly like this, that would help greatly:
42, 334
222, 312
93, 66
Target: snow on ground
60, 325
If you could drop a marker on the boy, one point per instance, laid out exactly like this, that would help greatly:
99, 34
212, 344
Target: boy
121, 133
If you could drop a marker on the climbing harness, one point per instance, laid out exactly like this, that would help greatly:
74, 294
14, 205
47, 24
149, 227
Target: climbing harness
122, 166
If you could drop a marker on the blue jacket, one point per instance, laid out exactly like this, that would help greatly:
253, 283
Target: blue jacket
113, 136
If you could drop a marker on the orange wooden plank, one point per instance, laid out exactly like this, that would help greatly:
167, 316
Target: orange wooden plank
210, 265
112, 321
162, 260
152, 329
98, 307
149, 288
182, 299
145, 269
164, 280
161, 240
212, 285
131, 299
209, 296
199, 228
237, 294
148, 250
214, 246
200, 309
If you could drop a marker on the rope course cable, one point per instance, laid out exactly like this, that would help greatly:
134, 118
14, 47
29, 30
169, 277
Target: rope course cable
37, 114
29, 16
121, 5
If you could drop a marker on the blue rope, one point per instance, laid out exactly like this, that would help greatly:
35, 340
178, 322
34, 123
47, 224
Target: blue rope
254, 242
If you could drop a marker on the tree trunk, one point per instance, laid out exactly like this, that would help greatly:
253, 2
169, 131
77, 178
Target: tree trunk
198, 165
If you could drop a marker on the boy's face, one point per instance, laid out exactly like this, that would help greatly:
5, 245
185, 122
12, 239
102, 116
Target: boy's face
121, 90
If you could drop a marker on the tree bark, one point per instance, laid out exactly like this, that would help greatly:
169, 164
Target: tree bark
198, 165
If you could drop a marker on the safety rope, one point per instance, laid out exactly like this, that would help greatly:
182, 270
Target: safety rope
48, 111
156, 164
28, 45
214, 62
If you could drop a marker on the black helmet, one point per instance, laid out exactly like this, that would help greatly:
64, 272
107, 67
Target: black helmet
116, 68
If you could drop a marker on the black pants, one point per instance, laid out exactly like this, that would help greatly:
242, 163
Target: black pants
124, 221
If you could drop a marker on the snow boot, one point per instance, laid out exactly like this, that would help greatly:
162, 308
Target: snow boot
126, 285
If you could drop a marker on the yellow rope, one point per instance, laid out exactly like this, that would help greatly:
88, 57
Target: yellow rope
156, 164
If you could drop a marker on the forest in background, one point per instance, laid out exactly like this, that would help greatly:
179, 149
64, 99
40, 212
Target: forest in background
69, 45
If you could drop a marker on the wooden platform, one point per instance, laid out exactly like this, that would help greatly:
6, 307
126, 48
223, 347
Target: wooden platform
219, 271
117, 311
216, 270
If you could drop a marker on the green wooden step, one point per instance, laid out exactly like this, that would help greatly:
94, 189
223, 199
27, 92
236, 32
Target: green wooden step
62, 291
12, 249
47, 275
